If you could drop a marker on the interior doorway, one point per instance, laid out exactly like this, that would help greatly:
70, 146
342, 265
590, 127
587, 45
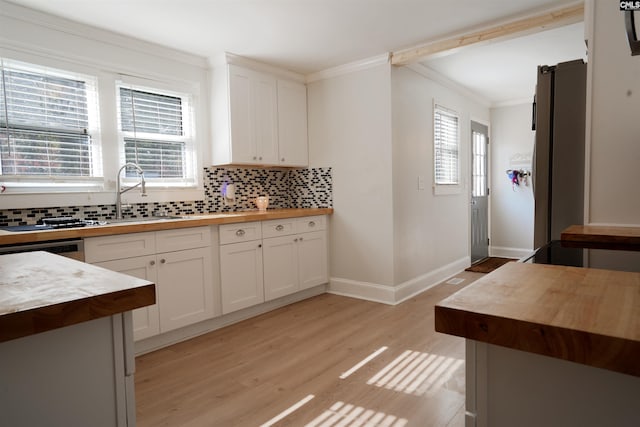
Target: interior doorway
479, 192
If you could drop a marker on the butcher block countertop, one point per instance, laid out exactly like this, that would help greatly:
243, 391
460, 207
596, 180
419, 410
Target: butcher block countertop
596, 234
8, 237
583, 315
40, 291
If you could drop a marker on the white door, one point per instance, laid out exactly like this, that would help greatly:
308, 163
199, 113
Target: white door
241, 275
292, 124
185, 284
243, 141
146, 322
312, 259
479, 192
280, 266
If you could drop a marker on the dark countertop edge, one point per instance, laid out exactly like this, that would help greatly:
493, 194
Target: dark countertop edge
20, 324
605, 352
196, 220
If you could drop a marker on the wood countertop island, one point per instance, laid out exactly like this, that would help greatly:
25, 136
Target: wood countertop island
583, 315
40, 291
548, 345
613, 236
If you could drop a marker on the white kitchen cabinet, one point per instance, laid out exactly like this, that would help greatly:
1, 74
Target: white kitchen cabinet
280, 266
257, 119
179, 263
293, 149
241, 275
146, 320
296, 259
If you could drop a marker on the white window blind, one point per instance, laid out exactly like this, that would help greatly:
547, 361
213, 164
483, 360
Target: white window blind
446, 144
154, 132
47, 118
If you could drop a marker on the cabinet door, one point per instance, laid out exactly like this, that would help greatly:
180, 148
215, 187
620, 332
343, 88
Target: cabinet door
292, 124
312, 259
280, 266
266, 118
146, 322
243, 142
185, 287
241, 275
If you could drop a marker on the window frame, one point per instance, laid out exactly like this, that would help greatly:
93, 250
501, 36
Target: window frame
187, 96
445, 188
37, 183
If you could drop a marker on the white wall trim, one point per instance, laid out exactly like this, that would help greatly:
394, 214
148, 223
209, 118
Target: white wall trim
393, 295
419, 284
94, 33
349, 68
384, 294
448, 83
501, 251
231, 58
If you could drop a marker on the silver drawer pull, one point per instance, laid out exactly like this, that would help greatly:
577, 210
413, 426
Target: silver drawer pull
312, 224
240, 233
279, 227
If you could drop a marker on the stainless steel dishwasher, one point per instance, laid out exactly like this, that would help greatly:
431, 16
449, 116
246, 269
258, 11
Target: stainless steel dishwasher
70, 248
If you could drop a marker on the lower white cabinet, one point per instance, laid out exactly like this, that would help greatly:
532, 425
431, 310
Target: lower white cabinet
183, 277
293, 263
241, 275
262, 261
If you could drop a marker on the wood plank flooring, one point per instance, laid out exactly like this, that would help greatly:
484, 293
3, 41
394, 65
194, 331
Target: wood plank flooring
249, 373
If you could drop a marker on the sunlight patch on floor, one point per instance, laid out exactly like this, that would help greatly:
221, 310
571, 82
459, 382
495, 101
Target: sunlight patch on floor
363, 362
416, 373
288, 411
455, 281
346, 415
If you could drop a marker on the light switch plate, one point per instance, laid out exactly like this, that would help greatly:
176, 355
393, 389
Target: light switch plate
420, 182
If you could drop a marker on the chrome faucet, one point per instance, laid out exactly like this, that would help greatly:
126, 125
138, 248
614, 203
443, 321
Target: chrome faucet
120, 191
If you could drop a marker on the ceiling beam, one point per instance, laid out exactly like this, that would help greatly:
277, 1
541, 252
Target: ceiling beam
544, 21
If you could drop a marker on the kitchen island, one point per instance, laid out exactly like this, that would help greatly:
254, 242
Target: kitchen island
549, 345
66, 344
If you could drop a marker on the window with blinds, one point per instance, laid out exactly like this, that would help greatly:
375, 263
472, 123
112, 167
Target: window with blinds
154, 132
446, 141
47, 118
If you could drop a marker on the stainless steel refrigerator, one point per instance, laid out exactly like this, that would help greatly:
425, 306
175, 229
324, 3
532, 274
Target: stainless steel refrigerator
559, 153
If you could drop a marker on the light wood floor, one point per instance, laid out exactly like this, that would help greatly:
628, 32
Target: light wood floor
248, 373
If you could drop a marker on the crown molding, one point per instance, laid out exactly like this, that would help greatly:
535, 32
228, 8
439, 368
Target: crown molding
20, 13
225, 58
351, 67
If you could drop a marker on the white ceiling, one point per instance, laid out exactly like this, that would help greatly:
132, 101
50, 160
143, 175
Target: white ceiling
307, 36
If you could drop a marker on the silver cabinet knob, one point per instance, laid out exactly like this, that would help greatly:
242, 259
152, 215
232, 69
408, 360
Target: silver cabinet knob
152, 262
312, 224
260, 158
240, 233
282, 160
260, 245
295, 240
254, 157
301, 239
162, 261
279, 227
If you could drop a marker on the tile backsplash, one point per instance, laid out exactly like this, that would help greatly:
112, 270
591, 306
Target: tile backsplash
287, 188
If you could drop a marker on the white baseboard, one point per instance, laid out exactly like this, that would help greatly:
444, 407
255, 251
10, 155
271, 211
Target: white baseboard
501, 251
413, 287
395, 294
362, 290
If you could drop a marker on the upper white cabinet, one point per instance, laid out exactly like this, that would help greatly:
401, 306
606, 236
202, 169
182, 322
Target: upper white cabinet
258, 118
292, 124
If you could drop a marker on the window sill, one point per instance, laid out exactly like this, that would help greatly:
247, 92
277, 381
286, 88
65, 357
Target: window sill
447, 189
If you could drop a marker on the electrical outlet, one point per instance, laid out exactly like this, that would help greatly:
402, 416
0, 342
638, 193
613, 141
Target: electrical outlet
420, 182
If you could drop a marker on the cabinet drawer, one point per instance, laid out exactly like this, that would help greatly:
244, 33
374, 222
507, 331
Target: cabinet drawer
278, 227
244, 232
183, 238
107, 248
310, 223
